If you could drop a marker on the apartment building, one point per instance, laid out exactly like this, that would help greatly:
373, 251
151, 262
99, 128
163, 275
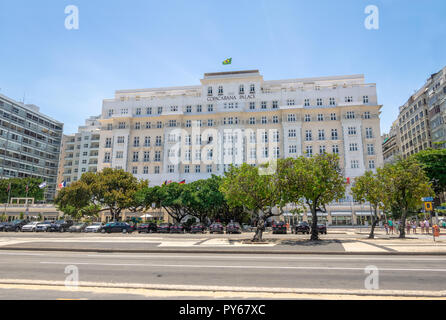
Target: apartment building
29, 143
391, 145
436, 104
80, 152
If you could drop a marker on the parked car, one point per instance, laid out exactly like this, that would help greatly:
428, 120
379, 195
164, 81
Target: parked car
60, 226
78, 227
233, 227
248, 228
216, 227
279, 227
114, 227
2, 225
322, 228
302, 227
176, 228
198, 228
164, 227
30, 227
43, 226
95, 227
15, 225
147, 227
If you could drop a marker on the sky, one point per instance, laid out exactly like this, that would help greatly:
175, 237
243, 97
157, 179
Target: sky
145, 44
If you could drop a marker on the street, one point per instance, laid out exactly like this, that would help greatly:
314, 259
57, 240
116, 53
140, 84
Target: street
179, 275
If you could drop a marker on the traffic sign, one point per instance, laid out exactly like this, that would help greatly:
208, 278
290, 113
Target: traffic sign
427, 199
428, 206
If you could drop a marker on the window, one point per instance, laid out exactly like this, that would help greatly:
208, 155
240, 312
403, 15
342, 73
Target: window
349, 99
370, 149
157, 170
309, 151
335, 149
276, 152
350, 115
188, 109
135, 156
109, 126
146, 141
188, 123
334, 134
367, 115
306, 102
264, 120
172, 123
265, 152
264, 137
210, 123
351, 130
220, 90
158, 141
121, 125
368, 133
209, 168
173, 108
252, 120
119, 155
275, 104
159, 124
148, 125
321, 134
124, 111
308, 135
210, 107
107, 157
365, 99
136, 141
252, 88
263, 105
171, 168
149, 110
332, 101
354, 164
146, 170
134, 170
197, 169
275, 119
353, 147
371, 164
199, 108
137, 125
241, 89
320, 117
186, 168
307, 118
121, 139
291, 118
333, 116
146, 156
160, 110
209, 91
252, 105
138, 111
276, 136
157, 156
290, 102
321, 149
319, 101
291, 133
110, 112
108, 142
292, 149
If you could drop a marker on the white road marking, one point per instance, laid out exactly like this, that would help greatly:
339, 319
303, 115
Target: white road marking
236, 267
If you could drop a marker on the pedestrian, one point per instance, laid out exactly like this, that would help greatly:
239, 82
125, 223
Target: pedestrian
408, 226
426, 226
390, 222
422, 227
414, 227
386, 226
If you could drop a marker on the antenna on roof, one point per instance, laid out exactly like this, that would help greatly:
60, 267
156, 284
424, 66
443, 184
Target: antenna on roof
24, 95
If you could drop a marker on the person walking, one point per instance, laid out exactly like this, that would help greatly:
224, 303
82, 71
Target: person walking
408, 226
414, 227
390, 226
386, 226
426, 225
422, 226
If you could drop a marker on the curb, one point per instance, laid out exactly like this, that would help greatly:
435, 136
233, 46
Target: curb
204, 251
194, 288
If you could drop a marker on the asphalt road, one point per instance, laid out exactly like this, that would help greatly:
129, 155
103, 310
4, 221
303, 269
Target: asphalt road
425, 273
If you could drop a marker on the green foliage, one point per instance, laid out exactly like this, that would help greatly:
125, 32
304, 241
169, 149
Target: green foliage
433, 162
18, 188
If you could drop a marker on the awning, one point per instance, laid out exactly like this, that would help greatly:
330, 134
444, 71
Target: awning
319, 214
363, 213
147, 216
341, 213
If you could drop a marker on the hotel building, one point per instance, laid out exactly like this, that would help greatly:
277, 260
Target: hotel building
29, 143
188, 133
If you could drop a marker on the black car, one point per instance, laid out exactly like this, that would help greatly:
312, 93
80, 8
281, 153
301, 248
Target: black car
302, 227
147, 228
321, 228
177, 228
279, 227
114, 227
15, 225
198, 228
60, 226
216, 227
164, 227
78, 227
3, 225
233, 227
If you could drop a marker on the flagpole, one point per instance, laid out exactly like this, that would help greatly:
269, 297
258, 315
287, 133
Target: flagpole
27, 203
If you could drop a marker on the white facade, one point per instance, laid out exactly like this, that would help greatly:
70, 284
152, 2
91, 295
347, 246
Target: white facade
143, 130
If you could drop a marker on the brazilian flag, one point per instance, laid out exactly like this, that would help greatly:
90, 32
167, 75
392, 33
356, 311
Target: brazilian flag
227, 61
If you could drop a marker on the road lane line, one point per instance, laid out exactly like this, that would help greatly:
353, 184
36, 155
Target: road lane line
236, 267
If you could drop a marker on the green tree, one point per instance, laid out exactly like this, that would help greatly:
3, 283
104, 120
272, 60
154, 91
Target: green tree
433, 162
405, 183
245, 187
18, 188
369, 188
321, 182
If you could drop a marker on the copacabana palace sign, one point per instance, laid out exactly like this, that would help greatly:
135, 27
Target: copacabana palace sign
234, 97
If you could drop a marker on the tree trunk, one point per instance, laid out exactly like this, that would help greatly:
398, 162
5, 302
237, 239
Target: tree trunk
314, 229
403, 224
258, 236
374, 223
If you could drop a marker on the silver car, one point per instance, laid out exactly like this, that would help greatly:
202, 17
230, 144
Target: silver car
43, 226
95, 227
30, 227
